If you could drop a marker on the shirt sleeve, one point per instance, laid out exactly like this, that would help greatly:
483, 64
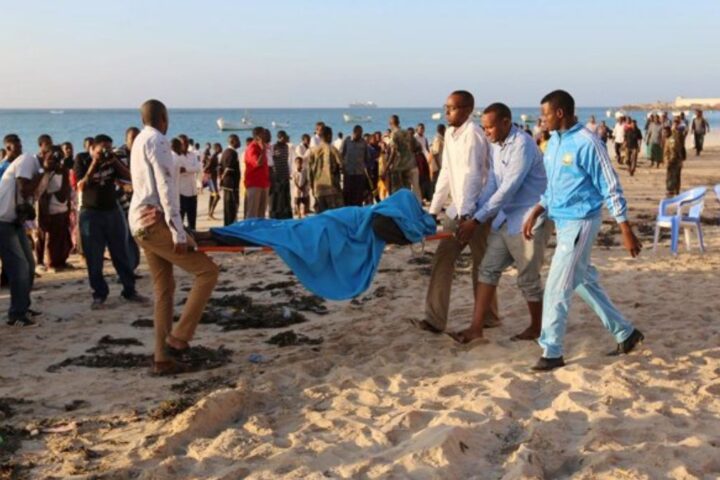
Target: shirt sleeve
79, 169
192, 164
442, 189
594, 159
495, 196
165, 173
27, 169
477, 168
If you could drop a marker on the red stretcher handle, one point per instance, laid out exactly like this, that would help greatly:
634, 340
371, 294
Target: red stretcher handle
227, 249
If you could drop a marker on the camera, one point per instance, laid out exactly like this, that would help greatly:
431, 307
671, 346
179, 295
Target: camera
106, 155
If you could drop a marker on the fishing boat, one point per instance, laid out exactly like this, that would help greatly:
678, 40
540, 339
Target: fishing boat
347, 118
436, 116
57, 112
243, 124
368, 104
275, 124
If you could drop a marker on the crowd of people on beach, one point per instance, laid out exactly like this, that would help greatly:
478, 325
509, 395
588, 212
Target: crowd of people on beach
489, 180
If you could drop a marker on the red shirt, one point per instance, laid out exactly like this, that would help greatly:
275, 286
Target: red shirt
257, 175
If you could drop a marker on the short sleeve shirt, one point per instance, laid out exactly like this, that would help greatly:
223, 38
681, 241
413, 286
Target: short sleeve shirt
25, 166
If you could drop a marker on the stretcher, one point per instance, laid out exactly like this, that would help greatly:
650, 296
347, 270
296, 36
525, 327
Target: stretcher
239, 249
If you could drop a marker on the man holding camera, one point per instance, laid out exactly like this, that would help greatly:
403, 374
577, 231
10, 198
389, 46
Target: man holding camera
17, 187
102, 223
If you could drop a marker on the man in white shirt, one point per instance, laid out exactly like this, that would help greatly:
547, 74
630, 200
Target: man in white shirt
17, 185
422, 140
465, 171
592, 125
189, 167
619, 136
156, 224
316, 139
338, 141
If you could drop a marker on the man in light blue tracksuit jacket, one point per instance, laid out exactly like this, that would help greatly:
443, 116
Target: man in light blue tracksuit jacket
580, 178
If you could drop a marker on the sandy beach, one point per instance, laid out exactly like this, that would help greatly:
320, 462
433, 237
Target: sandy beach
359, 392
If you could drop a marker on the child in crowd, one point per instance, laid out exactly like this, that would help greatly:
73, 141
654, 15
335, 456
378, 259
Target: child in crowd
302, 188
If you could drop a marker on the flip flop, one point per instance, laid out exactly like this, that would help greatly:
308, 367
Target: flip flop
457, 336
519, 338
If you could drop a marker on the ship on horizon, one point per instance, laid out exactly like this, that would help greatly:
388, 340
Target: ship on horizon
368, 104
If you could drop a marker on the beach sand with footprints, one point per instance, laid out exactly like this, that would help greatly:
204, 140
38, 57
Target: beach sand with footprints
353, 390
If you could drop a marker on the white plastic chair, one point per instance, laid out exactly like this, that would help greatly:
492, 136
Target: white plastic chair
681, 211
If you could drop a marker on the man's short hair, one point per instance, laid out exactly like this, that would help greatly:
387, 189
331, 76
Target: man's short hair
305, 136
130, 130
152, 112
500, 110
467, 98
102, 138
66, 144
44, 138
233, 138
11, 138
560, 99
258, 132
395, 119
327, 134
320, 124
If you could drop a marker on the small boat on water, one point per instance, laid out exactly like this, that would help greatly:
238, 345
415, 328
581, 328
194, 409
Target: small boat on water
275, 124
436, 116
347, 118
243, 124
368, 104
57, 112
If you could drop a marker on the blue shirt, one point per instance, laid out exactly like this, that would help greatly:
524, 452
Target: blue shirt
4, 164
580, 177
515, 184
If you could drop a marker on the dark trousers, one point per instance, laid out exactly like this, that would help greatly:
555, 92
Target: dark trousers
699, 140
53, 238
100, 229
619, 153
280, 205
188, 208
19, 265
354, 190
133, 248
231, 203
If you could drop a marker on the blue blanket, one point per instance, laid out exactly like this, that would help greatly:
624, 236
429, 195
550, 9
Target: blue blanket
335, 254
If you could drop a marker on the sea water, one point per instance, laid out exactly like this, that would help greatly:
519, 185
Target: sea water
200, 124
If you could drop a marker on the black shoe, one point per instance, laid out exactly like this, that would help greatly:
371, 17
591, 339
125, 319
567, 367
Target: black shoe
22, 322
33, 313
629, 344
136, 298
98, 304
547, 364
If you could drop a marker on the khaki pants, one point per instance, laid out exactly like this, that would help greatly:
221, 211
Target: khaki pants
256, 201
158, 246
437, 302
409, 179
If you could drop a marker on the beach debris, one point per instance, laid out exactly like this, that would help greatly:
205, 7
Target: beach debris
171, 408
259, 287
61, 428
197, 357
143, 323
7, 405
11, 439
290, 338
421, 260
256, 358
195, 386
76, 405
308, 303
238, 312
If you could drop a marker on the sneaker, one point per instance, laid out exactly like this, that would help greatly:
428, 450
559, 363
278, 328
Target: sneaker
98, 304
136, 298
547, 364
22, 322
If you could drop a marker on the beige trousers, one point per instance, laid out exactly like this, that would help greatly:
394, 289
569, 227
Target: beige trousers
158, 246
437, 302
256, 201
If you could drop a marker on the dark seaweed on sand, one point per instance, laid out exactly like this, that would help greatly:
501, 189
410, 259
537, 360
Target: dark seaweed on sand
238, 312
290, 338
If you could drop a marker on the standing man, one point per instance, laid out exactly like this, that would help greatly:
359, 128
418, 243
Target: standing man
325, 165
355, 157
633, 138
124, 189
230, 180
156, 224
592, 125
316, 139
580, 178
699, 128
17, 185
465, 171
515, 186
619, 137
102, 223
401, 163
190, 166
257, 175
436, 150
654, 141
281, 206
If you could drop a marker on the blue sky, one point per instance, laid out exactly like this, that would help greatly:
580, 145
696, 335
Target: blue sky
315, 53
